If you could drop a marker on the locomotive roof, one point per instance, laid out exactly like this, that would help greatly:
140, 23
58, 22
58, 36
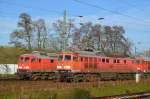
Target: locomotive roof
91, 53
97, 54
101, 54
41, 54
85, 53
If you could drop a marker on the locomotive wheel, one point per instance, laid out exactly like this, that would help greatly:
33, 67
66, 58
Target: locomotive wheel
19, 78
78, 79
91, 78
44, 77
36, 77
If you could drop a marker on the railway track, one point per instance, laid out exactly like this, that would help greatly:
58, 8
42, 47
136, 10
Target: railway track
62, 85
144, 95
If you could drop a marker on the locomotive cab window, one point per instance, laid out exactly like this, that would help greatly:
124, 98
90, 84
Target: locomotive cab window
33, 60
118, 61
107, 60
52, 61
21, 59
67, 57
103, 60
114, 61
75, 58
125, 62
27, 59
39, 60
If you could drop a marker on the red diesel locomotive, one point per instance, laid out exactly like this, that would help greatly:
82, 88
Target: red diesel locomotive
36, 65
80, 66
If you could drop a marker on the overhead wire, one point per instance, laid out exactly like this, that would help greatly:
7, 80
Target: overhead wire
81, 2
111, 11
131, 5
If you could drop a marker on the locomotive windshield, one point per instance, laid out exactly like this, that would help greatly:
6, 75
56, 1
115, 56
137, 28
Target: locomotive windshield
75, 58
27, 59
67, 57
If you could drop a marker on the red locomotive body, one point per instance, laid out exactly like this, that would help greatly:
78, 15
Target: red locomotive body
94, 63
89, 65
68, 61
82, 66
34, 63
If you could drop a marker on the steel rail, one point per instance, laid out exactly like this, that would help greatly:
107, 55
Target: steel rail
142, 95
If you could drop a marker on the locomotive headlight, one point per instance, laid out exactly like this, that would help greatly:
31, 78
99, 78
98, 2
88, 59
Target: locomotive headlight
27, 67
20, 67
138, 68
59, 67
67, 67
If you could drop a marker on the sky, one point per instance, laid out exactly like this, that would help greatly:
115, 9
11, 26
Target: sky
133, 15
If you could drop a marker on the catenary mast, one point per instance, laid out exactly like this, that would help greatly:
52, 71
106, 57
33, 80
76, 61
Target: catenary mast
64, 32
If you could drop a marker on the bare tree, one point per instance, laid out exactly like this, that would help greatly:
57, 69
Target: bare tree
107, 39
117, 44
54, 42
89, 36
16, 38
82, 37
24, 33
59, 30
26, 24
40, 28
128, 47
76, 39
98, 36
118, 37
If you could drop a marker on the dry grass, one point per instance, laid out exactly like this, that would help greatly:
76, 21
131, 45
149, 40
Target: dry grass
51, 90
